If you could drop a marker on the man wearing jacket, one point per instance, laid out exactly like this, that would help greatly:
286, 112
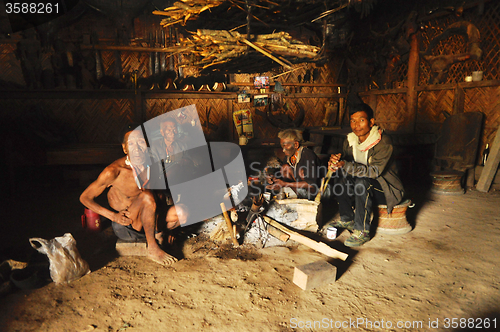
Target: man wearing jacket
365, 175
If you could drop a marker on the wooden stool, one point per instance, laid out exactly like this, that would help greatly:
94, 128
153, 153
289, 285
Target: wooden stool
394, 223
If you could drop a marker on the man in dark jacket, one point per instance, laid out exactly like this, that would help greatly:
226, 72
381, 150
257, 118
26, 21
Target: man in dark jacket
365, 175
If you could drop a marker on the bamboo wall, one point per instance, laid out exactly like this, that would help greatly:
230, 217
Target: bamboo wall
99, 116
391, 106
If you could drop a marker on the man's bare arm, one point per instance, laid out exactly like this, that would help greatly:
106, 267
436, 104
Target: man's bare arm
96, 188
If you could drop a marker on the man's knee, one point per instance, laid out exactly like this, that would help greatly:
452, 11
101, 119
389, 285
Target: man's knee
147, 200
361, 186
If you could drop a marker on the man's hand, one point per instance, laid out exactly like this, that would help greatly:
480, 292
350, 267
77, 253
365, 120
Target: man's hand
335, 163
123, 218
277, 184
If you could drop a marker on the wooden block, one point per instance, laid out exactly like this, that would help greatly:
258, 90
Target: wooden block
125, 248
314, 275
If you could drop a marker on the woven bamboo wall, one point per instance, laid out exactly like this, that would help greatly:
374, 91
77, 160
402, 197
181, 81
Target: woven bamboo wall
100, 120
488, 24
391, 107
390, 111
431, 105
11, 68
76, 120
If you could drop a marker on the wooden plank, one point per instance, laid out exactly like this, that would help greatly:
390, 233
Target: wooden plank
383, 92
314, 85
479, 84
85, 155
314, 275
318, 246
458, 102
67, 94
173, 94
491, 166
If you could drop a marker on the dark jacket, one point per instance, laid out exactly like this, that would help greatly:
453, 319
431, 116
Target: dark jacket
380, 166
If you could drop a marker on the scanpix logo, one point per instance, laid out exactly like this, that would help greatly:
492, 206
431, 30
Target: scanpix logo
214, 168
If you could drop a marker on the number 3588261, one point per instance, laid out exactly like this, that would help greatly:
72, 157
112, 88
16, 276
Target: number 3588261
31, 8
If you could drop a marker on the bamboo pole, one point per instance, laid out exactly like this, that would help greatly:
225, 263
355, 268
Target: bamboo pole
269, 55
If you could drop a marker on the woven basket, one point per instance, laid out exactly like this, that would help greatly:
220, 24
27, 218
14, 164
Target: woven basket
394, 223
447, 182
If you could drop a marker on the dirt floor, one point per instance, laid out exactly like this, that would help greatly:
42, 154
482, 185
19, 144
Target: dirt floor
443, 275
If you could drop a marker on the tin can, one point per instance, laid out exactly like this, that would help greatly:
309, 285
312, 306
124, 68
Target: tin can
331, 233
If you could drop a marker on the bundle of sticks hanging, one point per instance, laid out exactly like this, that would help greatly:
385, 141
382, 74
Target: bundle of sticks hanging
219, 46
183, 10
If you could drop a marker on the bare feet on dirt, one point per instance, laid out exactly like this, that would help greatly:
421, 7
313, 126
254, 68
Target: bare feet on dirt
161, 257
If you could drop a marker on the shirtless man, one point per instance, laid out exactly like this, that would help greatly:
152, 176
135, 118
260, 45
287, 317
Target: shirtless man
126, 179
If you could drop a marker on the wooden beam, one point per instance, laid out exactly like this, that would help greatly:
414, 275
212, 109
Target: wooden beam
458, 102
172, 50
384, 92
318, 246
491, 165
314, 85
173, 94
412, 94
67, 94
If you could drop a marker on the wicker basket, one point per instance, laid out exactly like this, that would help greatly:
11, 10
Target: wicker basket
394, 223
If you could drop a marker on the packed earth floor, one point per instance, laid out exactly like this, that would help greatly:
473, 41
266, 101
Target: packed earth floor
441, 276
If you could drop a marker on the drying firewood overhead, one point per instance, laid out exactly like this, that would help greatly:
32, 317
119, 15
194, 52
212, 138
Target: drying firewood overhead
215, 47
183, 10
266, 32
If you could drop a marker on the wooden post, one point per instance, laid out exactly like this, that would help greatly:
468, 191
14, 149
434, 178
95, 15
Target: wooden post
458, 103
491, 166
372, 101
411, 94
230, 119
138, 111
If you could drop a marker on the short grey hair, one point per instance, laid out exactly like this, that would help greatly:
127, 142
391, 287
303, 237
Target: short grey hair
293, 134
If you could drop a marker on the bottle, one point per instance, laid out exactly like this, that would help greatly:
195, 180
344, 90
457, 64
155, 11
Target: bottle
486, 152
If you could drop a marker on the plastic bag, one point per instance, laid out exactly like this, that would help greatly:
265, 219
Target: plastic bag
66, 264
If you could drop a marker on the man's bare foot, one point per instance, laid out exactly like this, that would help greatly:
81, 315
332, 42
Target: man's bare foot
161, 257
